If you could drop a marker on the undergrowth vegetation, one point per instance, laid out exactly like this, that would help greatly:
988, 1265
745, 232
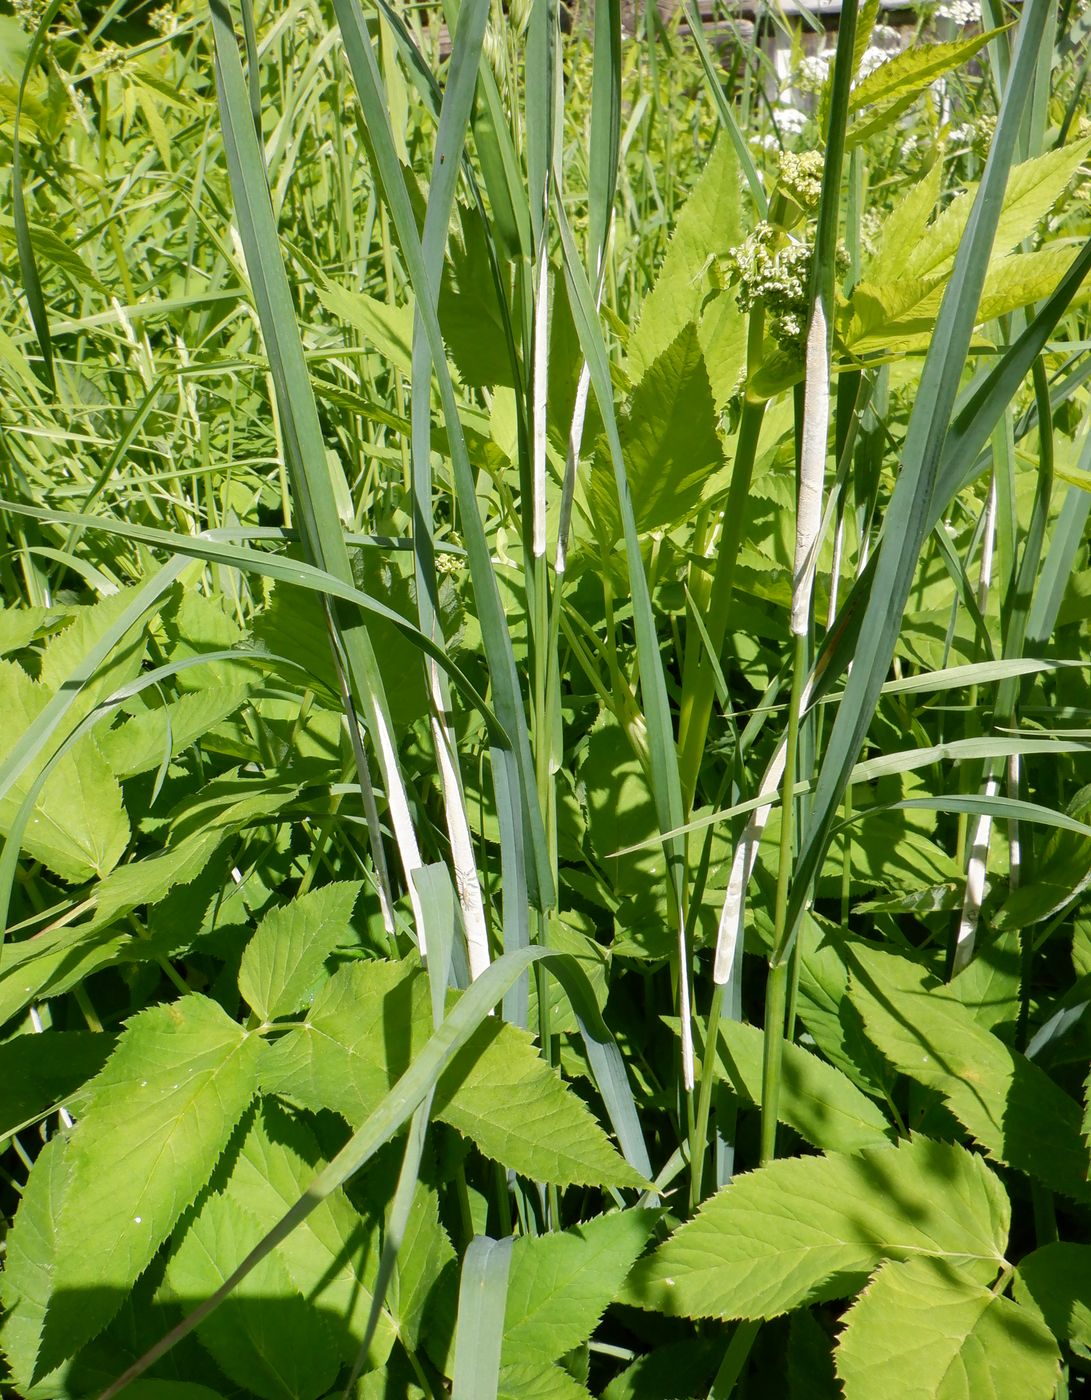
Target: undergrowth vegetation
545, 767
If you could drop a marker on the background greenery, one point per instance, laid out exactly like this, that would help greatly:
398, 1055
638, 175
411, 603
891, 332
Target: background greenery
544, 666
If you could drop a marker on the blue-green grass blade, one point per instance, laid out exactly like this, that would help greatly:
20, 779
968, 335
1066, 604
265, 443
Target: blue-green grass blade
726, 114
666, 784
496, 637
479, 1332
24, 243
907, 519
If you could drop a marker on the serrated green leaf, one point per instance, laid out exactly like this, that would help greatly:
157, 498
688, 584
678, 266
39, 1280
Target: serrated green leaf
670, 441
1055, 1281
1062, 872
266, 1336
923, 1332
527, 1381
904, 227
159, 1116
364, 1029
332, 1256
78, 828
1009, 1105
284, 958
149, 880
21, 626
808, 1229
816, 1100
29, 1260
911, 71
685, 1368
560, 1284
687, 276
142, 742
989, 985
894, 312
385, 327
65, 653
50, 964
1032, 190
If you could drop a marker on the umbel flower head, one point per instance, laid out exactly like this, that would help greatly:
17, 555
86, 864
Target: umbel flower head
773, 270
800, 177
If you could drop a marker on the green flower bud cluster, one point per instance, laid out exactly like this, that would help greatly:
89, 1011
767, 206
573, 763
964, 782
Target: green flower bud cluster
800, 177
774, 273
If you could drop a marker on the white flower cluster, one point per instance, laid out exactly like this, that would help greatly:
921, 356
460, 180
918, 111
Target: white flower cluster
961, 11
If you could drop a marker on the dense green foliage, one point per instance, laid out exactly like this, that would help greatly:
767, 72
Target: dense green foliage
544, 661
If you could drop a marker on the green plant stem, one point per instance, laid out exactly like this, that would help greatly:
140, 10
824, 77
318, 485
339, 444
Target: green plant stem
776, 991
698, 1140
699, 688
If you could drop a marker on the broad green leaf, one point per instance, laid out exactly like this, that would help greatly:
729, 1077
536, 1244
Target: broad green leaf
560, 1284
892, 313
1032, 190
78, 828
284, 959
1006, 1103
923, 1332
38, 1071
911, 71
816, 1100
989, 985
670, 442
51, 963
687, 277
53, 249
684, 1368
1061, 872
1055, 1281
331, 1257
363, 1031
65, 653
29, 1262
385, 327
21, 626
825, 1010
159, 1116
142, 742
807, 1229
527, 1381
904, 227
265, 1335
149, 880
